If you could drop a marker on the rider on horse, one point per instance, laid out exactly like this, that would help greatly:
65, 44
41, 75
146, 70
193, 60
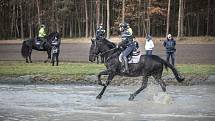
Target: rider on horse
127, 44
42, 35
100, 32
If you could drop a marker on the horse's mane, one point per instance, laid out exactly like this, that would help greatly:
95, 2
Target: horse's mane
109, 43
115, 53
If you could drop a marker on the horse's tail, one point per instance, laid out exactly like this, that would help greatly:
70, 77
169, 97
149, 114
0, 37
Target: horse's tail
25, 50
175, 72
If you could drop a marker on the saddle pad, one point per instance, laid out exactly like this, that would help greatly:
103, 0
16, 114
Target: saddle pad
37, 43
134, 59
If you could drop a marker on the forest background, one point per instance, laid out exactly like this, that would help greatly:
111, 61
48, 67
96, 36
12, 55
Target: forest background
79, 18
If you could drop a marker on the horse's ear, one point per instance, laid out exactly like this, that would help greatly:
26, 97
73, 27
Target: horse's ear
92, 40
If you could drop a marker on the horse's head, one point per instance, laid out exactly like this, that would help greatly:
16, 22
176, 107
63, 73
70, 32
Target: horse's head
54, 37
94, 50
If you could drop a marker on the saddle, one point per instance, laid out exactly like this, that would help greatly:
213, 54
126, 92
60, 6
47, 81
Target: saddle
134, 57
37, 41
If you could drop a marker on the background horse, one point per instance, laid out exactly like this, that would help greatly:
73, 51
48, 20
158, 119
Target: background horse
148, 65
30, 44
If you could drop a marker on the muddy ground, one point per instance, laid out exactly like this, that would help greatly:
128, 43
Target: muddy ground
79, 52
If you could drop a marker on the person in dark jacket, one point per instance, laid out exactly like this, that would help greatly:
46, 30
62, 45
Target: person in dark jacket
170, 44
126, 44
100, 32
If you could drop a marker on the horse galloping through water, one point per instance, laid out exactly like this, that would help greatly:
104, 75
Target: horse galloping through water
148, 65
53, 40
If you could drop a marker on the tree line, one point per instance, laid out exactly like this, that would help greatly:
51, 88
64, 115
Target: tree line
79, 18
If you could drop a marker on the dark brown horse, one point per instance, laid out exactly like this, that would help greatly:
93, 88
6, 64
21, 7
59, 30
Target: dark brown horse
148, 65
30, 44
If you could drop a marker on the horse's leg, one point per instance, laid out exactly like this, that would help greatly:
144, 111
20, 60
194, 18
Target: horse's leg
97, 59
162, 84
57, 60
143, 86
110, 77
102, 59
157, 76
30, 56
26, 59
52, 59
49, 56
105, 72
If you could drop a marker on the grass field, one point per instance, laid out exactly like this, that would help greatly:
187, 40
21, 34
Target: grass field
14, 68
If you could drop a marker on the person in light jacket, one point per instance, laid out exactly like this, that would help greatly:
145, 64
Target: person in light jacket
149, 45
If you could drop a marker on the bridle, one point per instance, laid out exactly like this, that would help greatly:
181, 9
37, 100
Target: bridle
94, 48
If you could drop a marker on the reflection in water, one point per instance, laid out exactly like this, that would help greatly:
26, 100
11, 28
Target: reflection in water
71, 102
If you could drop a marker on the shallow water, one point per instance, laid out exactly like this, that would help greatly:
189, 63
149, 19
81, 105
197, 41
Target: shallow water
78, 103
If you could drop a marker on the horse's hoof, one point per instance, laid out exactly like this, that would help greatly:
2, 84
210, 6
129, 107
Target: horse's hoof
131, 97
100, 83
99, 97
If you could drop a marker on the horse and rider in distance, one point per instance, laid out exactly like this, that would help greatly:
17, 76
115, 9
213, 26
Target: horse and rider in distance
124, 60
49, 43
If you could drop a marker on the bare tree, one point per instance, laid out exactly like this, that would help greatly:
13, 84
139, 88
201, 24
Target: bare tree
139, 5
123, 11
97, 12
180, 19
148, 18
86, 18
208, 18
168, 17
38, 11
21, 20
108, 18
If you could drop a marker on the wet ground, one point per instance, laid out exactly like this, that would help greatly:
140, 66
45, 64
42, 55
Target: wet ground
79, 52
78, 103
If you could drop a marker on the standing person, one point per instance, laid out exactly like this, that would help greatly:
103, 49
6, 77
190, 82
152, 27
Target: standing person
42, 35
170, 44
149, 45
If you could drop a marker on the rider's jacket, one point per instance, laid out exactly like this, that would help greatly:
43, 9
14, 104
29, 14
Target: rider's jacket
127, 38
42, 33
130, 31
169, 44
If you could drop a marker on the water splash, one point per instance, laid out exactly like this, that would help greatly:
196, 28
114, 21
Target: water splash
162, 98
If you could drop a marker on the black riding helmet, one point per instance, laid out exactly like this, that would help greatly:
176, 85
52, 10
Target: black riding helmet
123, 26
100, 26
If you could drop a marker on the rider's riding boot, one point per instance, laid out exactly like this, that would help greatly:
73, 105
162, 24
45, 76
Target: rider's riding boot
41, 45
125, 65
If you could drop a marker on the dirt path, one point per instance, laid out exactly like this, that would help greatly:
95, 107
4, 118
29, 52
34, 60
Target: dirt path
78, 52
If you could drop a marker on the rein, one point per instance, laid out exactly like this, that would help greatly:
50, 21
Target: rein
108, 51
